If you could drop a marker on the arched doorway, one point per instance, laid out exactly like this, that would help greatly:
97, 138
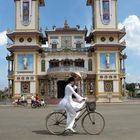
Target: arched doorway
61, 88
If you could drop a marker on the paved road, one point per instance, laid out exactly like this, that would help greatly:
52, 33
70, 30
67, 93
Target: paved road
122, 123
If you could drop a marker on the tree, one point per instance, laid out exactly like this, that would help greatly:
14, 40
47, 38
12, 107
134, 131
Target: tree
130, 87
3, 92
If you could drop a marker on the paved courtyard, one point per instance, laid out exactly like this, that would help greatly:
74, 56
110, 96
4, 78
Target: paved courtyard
18, 123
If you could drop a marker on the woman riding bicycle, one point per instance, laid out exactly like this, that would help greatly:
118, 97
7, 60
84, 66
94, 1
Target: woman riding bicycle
69, 105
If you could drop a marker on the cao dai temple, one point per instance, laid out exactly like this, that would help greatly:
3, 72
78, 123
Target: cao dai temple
33, 69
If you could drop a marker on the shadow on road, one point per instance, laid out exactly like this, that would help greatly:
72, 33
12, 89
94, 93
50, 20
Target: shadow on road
44, 132
41, 132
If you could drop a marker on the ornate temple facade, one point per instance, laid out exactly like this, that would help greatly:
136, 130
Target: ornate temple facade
41, 64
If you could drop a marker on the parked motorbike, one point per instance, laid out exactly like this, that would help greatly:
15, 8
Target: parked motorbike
38, 104
21, 103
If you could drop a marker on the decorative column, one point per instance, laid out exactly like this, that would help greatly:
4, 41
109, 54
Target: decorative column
12, 88
121, 65
9, 87
79, 88
55, 88
124, 57
86, 64
124, 87
52, 89
8, 67
82, 87
12, 65
49, 88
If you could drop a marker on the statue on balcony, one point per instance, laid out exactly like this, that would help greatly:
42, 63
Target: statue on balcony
107, 60
25, 62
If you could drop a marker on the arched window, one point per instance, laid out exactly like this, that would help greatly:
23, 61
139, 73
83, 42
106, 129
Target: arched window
54, 44
79, 63
54, 63
25, 11
90, 64
105, 11
43, 65
78, 45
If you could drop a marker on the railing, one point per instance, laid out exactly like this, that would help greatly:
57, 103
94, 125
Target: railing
85, 49
67, 69
108, 70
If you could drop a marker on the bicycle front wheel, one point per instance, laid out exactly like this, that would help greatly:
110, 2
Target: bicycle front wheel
93, 123
56, 123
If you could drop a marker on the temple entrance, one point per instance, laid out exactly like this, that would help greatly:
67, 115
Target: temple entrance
61, 88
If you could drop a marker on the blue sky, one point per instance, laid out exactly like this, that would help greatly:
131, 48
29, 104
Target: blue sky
76, 12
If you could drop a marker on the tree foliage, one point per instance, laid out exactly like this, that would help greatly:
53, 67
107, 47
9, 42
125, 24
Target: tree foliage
130, 87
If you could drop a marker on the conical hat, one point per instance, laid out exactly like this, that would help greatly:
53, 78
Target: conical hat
76, 74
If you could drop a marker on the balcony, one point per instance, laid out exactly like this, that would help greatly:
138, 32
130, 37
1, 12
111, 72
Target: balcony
85, 49
67, 69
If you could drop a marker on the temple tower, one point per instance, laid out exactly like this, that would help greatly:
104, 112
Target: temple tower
25, 47
105, 44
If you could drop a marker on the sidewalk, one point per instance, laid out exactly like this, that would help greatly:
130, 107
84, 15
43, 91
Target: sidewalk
5, 103
54, 102
132, 101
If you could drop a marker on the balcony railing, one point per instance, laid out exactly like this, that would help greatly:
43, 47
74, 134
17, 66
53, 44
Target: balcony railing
67, 69
85, 49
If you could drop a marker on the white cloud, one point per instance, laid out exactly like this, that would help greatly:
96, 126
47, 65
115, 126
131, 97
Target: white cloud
132, 25
3, 38
132, 78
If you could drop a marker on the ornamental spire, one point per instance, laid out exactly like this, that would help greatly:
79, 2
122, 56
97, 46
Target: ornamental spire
66, 24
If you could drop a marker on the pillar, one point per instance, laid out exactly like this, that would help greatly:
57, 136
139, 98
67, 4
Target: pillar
55, 88
82, 87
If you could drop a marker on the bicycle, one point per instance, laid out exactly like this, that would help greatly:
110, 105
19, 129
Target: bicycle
92, 122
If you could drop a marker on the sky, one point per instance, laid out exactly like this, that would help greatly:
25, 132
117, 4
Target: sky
76, 12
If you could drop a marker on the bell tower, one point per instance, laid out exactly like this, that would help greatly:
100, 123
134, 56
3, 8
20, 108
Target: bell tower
27, 14
106, 46
104, 13
25, 48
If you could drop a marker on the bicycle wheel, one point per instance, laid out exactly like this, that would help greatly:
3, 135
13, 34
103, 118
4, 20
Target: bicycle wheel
56, 123
93, 123
34, 105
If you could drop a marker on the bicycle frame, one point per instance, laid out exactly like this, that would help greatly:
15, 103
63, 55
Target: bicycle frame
81, 114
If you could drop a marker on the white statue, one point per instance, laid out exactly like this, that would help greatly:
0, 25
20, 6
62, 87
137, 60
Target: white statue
25, 62
107, 60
